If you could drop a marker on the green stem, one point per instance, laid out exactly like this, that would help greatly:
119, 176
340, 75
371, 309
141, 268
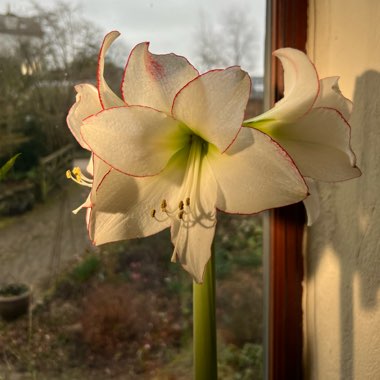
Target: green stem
204, 321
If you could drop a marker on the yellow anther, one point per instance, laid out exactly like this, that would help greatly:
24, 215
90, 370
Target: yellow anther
76, 176
77, 171
153, 213
180, 205
187, 201
180, 214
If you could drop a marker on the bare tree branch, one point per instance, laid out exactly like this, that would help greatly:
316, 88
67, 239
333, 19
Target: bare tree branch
231, 40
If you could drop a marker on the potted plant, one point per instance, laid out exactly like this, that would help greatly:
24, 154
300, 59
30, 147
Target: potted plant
14, 300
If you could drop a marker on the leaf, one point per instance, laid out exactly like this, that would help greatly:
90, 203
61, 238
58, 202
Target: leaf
7, 166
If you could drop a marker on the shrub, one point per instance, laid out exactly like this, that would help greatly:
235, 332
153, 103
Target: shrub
114, 315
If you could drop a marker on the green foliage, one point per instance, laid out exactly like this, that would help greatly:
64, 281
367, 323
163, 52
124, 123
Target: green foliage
238, 243
7, 166
13, 290
241, 364
87, 269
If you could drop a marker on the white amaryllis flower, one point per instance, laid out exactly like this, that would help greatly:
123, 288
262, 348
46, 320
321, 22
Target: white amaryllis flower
310, 123
177, 153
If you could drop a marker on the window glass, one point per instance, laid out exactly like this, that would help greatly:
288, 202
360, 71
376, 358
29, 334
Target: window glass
121, 310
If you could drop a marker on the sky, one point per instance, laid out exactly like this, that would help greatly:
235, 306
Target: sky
170, 25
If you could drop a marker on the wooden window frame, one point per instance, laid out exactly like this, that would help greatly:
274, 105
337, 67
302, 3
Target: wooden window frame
287, 27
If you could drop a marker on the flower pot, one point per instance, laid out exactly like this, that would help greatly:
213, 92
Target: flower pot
14, 301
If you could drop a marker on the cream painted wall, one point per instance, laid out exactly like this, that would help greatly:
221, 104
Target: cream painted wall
342, 285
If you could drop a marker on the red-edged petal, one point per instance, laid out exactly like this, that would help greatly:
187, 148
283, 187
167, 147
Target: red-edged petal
319, 143
311, 203
213, 104
107, 97
134, 140
123, 208
330, 96
255, 174
154, 79
301, 87
100, 171
86, 104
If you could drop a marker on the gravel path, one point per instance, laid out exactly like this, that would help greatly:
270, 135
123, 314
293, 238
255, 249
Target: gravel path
40, 242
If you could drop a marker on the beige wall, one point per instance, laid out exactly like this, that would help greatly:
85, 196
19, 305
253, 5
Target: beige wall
342, 286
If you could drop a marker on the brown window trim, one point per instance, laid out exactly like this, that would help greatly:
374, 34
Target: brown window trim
288, 20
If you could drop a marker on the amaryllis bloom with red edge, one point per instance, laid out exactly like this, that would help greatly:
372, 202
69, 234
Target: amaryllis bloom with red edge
173, 151
311, 124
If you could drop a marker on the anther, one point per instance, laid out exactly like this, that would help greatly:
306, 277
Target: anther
163, 205
180, 205
77, 171
187, 201
76, 176
153, 213
180, 214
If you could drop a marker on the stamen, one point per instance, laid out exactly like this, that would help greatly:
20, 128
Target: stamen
180, 206
153, 213
163, 205
187, 201
77, 176
180, 214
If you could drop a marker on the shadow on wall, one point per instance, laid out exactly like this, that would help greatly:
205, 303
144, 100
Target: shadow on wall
349, 227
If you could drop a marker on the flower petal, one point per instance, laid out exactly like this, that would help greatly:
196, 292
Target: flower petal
153, 80
213, 104
135, 140
319, 144
87, 103
107, 97
311, 203
255, 174
100, 171
90, 166
331, 97
193, 235
124, 204
301, 87
194, 247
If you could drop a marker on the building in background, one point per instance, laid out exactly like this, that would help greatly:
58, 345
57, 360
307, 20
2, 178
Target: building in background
20, 37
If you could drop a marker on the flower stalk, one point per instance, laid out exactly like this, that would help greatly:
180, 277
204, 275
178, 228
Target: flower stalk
204, 322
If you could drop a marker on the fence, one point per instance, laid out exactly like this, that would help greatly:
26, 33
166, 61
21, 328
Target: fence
52, 169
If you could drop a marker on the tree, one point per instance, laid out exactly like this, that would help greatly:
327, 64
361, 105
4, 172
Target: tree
35, 101
231, 40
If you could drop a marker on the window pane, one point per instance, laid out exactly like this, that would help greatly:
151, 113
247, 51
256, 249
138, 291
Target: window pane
121, 310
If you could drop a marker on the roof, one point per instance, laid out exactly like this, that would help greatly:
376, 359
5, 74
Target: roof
20, 26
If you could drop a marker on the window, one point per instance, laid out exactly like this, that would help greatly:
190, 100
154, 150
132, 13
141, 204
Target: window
123, 301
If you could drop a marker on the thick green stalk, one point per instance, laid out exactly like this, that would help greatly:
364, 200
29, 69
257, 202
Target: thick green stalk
205, 360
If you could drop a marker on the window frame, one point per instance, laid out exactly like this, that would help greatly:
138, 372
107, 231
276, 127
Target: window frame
286, 27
